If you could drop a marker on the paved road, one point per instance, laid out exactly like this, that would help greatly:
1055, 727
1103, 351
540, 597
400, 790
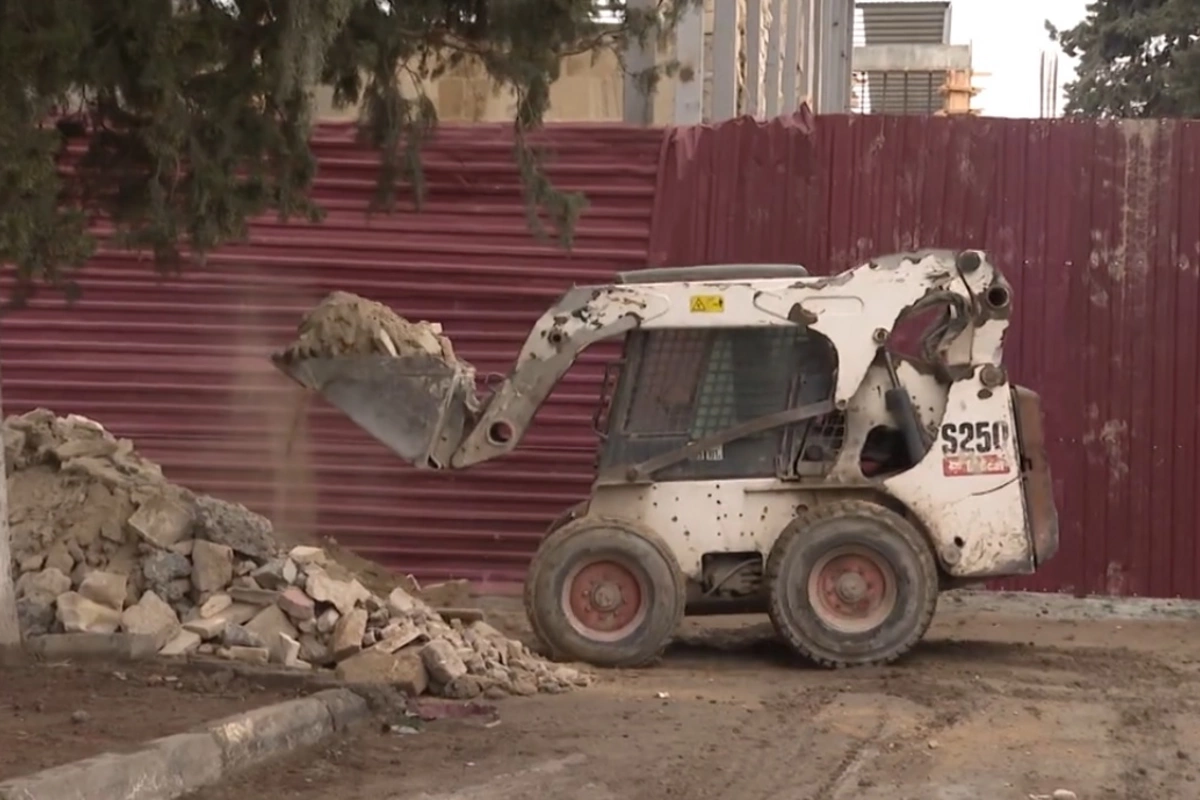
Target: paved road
1003, 701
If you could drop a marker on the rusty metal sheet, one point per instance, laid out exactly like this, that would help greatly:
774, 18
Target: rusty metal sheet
180, 365
1096, 224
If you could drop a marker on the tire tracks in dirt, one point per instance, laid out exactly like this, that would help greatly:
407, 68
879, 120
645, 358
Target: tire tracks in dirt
840, 783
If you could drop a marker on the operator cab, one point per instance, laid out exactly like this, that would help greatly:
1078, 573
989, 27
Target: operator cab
675, 387
680, 386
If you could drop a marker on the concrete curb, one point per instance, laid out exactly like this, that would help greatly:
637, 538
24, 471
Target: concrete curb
175, 765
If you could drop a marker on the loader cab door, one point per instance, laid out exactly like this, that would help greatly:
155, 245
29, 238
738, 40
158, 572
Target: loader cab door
678, 386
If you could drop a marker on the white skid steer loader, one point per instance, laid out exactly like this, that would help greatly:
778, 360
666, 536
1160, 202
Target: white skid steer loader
762, 447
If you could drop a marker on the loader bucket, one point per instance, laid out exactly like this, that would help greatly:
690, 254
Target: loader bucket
417, 405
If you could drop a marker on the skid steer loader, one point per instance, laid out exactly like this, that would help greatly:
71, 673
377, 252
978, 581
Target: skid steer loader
763, 446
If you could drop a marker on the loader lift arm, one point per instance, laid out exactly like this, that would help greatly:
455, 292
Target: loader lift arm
425, 408
855, 310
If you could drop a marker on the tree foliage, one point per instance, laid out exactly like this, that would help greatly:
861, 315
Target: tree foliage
1137, 58
184, 119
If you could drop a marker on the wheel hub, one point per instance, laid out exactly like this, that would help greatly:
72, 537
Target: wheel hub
852, 589
604, 599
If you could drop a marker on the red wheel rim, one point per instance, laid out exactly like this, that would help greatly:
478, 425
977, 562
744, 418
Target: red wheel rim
852, 589
605, 599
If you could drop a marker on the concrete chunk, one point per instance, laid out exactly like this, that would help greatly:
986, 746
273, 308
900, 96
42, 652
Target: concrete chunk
278, 573
160, 569
212, 566
304, 555
269, 623
405, 671
256, 597
328, 620
60, 558
234, 525
348, 634
342, 595
77, 613
33, 563
106, 588
49, 582
313, 650
183, 643
162, 521
35, 614
398, 635
151, 616
286, 651
297, 605
249, 655
184, 548
442, 661
208, 628
400, 603
238, 636
214, 605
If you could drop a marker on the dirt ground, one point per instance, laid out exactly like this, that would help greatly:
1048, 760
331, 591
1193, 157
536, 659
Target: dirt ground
55, 712
1006, 699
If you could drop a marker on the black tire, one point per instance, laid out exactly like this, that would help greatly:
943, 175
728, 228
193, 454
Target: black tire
640, 553
870, 532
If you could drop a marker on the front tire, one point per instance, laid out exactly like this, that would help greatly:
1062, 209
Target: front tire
851, 583
605, 592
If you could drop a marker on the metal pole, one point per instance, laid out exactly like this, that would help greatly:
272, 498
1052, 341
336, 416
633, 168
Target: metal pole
1042, 86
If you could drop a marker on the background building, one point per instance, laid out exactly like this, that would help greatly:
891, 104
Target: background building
749, 57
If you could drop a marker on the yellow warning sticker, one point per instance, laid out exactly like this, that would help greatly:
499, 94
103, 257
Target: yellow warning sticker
707, 304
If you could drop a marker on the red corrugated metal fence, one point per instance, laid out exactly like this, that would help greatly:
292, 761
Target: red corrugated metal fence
1097, 224
180, 366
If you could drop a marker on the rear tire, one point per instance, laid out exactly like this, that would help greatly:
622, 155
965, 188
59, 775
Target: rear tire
851, 584
605, 592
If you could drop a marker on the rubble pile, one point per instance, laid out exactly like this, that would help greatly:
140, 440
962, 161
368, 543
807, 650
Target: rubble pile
103, 543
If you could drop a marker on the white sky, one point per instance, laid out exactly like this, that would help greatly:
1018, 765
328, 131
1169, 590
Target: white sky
1007, 40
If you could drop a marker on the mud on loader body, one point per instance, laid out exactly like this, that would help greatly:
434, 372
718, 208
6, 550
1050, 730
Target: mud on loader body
762, 446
